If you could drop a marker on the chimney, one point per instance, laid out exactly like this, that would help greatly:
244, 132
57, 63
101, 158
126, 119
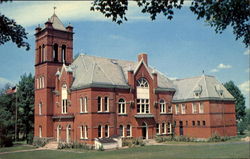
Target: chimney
69, 28
143, 56
48, 24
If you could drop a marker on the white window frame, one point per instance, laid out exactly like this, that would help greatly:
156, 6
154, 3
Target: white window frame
140, 104
105, 131
169, 128
194, 108
201, 107
130, 130
100, 104
183, 109
64, 99
159, 129
106, 103
123, 134
121, 105
164, 128
162, 106
101, 131
171, 109
177, 109
81, 104
40, 131
85, 104
40, 108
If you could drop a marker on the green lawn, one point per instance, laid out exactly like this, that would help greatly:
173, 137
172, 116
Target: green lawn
16, 148
234, 150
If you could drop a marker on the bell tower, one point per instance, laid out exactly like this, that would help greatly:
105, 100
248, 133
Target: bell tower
54, 47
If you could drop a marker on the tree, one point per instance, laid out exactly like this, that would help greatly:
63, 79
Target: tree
25, 95
10, 30
239, 99
217, 13
7, 117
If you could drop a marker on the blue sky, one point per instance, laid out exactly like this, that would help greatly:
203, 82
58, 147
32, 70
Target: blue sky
180, 48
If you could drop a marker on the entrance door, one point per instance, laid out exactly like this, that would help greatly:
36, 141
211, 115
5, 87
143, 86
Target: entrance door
181, 128
144, 131
68, 133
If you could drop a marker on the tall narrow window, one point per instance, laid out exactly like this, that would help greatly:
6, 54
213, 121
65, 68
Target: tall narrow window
194, 108
40, 82
40, 108
100, 131
201, 108
176, 109
164, 128
157, 128
106, 104
129, 128
198, 123
106, 131
99, 104
40, 54
203, 122
85, 104
169, 128
64, 99
43, 53
55, 52
122, 106
86, 132
37, 83
170, 109
193, 123
40, 131
81, 105
121, 133
162, 106
63, 53
183, 109
81, 132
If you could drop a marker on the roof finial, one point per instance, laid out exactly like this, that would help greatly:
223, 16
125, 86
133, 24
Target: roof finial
203, 72
54, 9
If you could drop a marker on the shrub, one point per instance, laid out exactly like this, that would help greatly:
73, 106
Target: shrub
6, 141
30, 137
39, 142
216, 138
242, 126
101, 148
74, 145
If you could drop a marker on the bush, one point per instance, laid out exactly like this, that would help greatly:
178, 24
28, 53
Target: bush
39, 142
74, 145
132, 142
6, 141
30, 137
242, 126
101, 148
216, 138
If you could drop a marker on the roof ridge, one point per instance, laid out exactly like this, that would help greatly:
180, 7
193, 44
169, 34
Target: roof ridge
193, 77
206, 86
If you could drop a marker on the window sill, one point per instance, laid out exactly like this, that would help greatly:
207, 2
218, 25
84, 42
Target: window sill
165, 113
123, 114
83, 112
83, 138
103, 112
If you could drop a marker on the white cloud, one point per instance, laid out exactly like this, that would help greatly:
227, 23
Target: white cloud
214, 70
247, 52
244, 87
223, 66
220, 67
4, 81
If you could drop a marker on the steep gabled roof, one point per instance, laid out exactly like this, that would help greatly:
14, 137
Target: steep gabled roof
206, 86
56, 23
103, 72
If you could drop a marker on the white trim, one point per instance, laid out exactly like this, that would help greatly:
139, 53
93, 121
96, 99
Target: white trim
201, 107
138, 66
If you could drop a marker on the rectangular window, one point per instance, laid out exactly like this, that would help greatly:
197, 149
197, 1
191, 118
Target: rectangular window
81, 105
170, 109
194, 108
193, 123
157, 128
81, 132
198, 123
176, 109
99, 104
169, 128
183, 109
106, 131
40, 108
85, 104
163, 128
201, 108
186, 123
106, 104
204, 122
40, 131
129, 130
142, 106
64, 106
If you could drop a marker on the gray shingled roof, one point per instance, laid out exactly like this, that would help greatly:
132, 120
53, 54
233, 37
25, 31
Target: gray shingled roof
103, 72
56, 23
208, 87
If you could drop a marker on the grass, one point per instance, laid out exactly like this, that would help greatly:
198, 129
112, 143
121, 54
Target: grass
235, 150
16, 147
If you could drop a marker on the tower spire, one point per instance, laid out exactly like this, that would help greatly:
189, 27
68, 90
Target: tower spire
54, 9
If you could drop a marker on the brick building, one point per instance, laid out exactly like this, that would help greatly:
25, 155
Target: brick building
95, 97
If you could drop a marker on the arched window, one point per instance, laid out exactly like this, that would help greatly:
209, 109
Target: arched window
99, 104
142, 90
55, 52
100, 131
162, 106
43, 53
142, 82
63, 53
106, 104
121, 133
64, 99
84, 132
106, 131
40, 54
40, 108
129, 130
121, 106
169, 128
